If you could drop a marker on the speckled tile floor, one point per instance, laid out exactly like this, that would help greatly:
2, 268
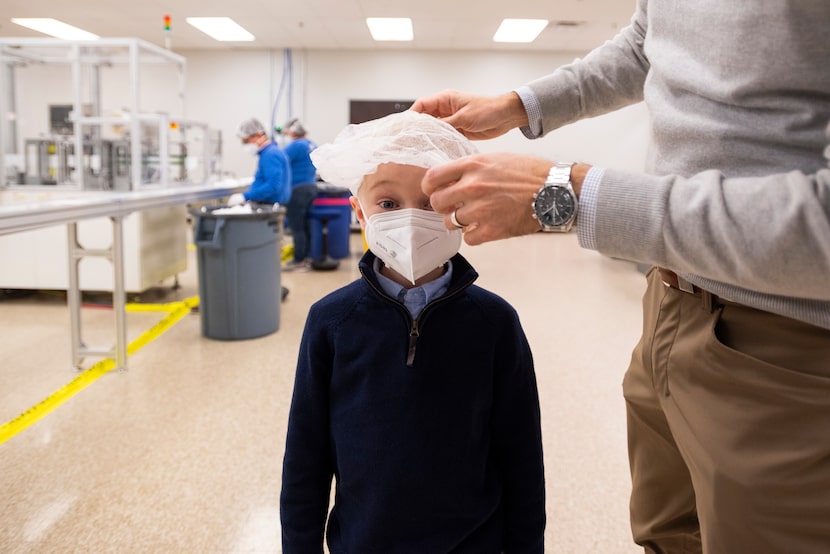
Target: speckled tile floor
182, 452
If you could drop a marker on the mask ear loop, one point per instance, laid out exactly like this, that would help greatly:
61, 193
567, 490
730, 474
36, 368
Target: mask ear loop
362, 210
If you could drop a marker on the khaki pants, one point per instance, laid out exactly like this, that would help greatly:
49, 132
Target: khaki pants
728, 428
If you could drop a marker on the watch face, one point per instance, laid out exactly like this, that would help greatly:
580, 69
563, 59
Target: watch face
555, 206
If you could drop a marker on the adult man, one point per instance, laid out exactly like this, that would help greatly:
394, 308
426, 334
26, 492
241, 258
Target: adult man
728, 392
272, 181
303, 190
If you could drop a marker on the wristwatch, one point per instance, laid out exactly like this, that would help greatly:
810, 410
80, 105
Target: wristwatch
555, 204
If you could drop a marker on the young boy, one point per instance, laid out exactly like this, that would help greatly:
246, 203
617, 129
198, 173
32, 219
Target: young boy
415, 388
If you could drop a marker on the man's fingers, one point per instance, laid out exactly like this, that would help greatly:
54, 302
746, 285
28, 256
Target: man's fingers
441, 105
475, 234
423, 105
442, 176
428, 105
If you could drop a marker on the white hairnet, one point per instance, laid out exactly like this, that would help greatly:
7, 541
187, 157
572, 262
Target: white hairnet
408, 138
294, 125
249, 128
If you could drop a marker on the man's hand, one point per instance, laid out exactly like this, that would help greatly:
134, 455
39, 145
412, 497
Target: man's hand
476, 117
491, 194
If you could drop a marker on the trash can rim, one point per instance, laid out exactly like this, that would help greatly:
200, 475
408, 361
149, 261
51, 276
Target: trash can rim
259, 213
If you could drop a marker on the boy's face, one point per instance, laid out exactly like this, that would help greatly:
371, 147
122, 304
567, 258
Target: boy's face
392, 187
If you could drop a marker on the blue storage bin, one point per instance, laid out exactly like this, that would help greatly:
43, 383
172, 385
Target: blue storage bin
332, 213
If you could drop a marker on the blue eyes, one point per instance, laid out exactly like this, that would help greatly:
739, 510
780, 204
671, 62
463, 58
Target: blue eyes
392, 205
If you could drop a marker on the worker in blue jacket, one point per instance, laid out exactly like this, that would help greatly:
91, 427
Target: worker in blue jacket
303, 190
272, 181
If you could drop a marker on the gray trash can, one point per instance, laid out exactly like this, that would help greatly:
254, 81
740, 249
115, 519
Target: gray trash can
239, 271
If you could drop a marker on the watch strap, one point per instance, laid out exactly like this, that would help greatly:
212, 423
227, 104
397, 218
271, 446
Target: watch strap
560, 174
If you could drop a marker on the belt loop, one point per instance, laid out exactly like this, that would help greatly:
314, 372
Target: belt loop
710, 301
685, 285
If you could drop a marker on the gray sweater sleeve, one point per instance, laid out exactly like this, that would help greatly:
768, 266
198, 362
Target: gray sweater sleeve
607, 79
736, 192
766, 234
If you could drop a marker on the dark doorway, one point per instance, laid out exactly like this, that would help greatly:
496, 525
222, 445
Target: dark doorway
366, 110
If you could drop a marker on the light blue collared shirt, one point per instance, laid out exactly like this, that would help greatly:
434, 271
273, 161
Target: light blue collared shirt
416, 298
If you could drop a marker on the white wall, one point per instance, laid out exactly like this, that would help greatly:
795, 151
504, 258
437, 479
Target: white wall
223, 88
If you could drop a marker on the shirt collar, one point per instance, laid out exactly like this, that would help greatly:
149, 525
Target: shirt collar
431, 291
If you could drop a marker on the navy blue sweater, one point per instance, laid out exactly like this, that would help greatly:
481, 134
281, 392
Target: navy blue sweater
430, 427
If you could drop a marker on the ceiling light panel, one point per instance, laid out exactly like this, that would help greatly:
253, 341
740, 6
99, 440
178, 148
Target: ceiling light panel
55, 28
223, 29
519, 30
390, 28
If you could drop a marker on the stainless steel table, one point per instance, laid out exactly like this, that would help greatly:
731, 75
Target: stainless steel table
15, 218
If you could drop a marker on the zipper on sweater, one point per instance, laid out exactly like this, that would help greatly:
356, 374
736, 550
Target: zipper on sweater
414, 330
413, 341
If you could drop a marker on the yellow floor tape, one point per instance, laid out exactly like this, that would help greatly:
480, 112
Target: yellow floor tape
287, 253
176, 311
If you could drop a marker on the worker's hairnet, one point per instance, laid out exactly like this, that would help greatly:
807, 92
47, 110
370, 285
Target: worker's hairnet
294, 125
249, 128
407, 138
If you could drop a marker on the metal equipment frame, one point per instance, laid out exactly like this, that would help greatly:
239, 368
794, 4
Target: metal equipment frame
93, 53
25, 217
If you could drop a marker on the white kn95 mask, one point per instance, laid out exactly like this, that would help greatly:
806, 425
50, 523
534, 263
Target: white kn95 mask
412, 242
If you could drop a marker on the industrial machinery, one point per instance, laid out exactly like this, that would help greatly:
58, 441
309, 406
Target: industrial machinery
81, 140
96, 117
107, 163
